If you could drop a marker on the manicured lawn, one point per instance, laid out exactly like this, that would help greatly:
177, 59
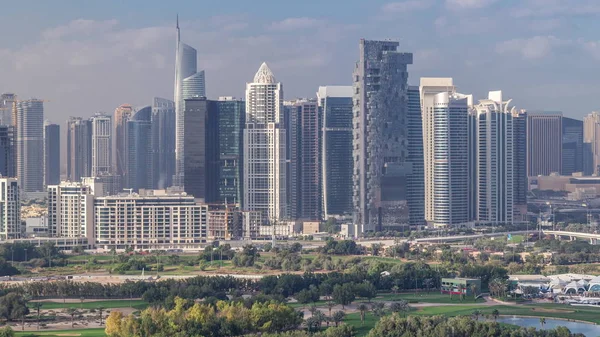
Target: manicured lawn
361, 330
516, 239
137, 304
57, 333
423, 297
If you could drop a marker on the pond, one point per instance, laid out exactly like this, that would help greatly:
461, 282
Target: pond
588, 329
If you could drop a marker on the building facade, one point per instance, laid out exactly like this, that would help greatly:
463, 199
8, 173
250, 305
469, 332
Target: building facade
591, 141
101, 125
79, 148
10, 209
139, 173
520, 183
154, 220
572, 146
232, 119
544, 143
265, 147
380, 142
450, 154
71, 210
8, 109
305, 161
163, 142
8, 155
186, 78
416, 181
335, 104
119, 136
495, 160
30, 145
51, 154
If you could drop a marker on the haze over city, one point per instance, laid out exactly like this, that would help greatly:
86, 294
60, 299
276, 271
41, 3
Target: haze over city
92, 57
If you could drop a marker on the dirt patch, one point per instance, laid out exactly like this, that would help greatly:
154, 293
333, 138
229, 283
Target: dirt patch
556, 311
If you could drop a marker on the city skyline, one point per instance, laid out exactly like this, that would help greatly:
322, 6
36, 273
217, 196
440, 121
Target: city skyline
531, 49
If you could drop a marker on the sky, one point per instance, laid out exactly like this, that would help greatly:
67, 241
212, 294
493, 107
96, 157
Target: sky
90, 56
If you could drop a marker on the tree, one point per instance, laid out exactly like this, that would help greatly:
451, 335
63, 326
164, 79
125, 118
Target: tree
474, 289
320, 317
343, 294
330, 305
13, 307
400, 307
363, 310
378, 309
37, 306
338, 317
113, 323
7, 331
476, 314
428, 283
495, 314
366, 290
101, 311
72, 312
542, 322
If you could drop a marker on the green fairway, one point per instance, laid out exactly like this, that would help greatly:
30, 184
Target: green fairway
361, 330
423, 297
56, 333
137, 304
516, 239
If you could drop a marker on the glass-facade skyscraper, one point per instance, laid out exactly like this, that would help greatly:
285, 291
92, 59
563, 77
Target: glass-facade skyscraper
30, 145
51, 154
232, 116
163, 142
79, 149
139, 150
335, 104
8, 155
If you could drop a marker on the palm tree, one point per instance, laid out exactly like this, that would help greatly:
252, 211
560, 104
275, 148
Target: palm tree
473, 287
395, 289
363, 309
100, 309
428, 284
495, 313
462, 289
476, 314
72, 312
38, 306
542, 321
330, 305
338, 317
319, 317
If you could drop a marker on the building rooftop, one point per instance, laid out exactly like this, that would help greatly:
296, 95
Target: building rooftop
264, 75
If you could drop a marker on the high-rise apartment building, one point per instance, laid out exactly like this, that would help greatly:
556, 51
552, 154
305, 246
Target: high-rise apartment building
305, 161
265, 147
450, 154
429, 87
8, 109
153, 220
10, 209
8, 155
201, 148
472, 159
189, 83
119, 136
101, 125
544, 143
163, 142
572, 146
381, 150
416, 181
591, 140
51, 154
520, 181
138, 164
335, 103
71, 210
79, 149
495, 160
232, 117
30, 145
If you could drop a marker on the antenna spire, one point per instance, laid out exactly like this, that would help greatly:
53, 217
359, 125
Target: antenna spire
177, 21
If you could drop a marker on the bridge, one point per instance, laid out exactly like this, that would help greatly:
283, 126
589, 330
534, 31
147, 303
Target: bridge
572, 235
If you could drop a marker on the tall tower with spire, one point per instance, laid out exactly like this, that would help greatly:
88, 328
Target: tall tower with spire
189, 83
264, 147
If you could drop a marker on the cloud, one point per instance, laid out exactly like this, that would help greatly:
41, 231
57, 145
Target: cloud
468, 4
543, 25
296, 24
536, 47
556, 8
405, 6
79, 27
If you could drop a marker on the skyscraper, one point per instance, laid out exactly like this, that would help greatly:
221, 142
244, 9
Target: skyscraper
591, 139
450, 166
572, 146
305, 168
265, 147
79, 149
30, 145
381, 151
520, 182
10, 209
335, 103
232, 116
429, 87
472, 159
51, 154
119, 135
188, 84
201, 149
416, 181
544, 143
8, 109
101, 125
495, 159
163, 142
138, 173
8, 155
71, 210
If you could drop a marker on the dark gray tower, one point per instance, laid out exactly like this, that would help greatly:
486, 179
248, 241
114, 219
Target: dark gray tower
51, 154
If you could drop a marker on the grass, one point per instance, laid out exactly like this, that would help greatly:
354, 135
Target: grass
433, 297
137, 304
361, 329
516, 239
57, 333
